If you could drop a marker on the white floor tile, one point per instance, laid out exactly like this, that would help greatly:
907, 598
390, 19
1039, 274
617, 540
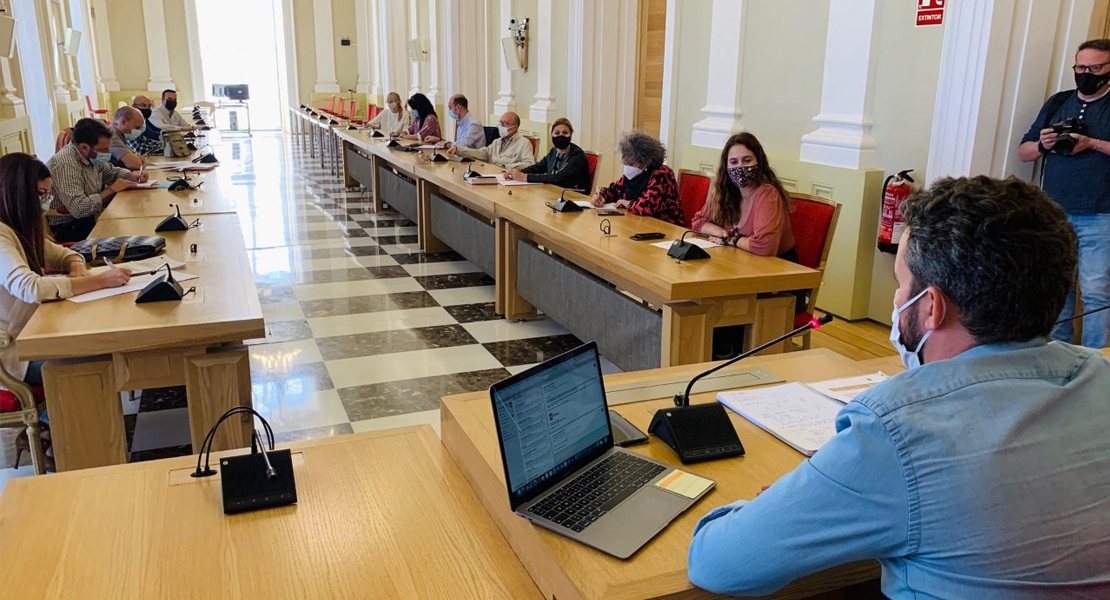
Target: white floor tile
401, 248
348, 262
502, 330
293, 409
346, 289
520, 368
282, 311
333, 226
441, 268
161, 429
376, 231
469, 295
390, 320
351, 372
430, 417
276, 358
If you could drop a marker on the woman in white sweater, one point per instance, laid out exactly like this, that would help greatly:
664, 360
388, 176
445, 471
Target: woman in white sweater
393, 119
26, 253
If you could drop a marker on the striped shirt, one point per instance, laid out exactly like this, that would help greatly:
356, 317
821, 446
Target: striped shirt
78, 183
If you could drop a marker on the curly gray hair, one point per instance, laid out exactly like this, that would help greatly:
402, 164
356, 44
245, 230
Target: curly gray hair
641, 148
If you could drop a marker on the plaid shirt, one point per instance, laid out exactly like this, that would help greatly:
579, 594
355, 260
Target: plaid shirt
78, 183
145, 146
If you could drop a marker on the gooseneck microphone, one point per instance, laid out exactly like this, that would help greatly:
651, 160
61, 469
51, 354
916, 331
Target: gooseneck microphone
262, 479
1081, 315
682, 250
564, 205
703, 432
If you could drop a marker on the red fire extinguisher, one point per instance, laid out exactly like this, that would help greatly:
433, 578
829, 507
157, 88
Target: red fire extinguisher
896, 189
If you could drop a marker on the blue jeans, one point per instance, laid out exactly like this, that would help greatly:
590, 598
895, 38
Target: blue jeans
1094, 282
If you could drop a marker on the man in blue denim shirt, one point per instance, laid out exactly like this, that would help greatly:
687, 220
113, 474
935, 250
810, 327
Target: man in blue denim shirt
983, 473
1079, 179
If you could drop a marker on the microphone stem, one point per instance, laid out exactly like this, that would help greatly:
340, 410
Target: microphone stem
685, 399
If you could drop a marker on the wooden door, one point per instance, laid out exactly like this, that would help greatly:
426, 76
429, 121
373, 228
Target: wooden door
649, 65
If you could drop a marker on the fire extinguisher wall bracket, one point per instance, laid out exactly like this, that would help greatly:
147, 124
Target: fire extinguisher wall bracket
896, 188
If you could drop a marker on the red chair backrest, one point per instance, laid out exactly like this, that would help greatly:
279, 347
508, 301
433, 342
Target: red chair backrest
693, 189
351, 110
342, 107
535, 145
331, 105
811, 223
592, 158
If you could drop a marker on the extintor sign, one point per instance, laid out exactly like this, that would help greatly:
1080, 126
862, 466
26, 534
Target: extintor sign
930, 12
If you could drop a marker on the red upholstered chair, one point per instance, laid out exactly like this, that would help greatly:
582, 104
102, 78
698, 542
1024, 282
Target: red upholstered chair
813, 223
693, 189
535, 141
352, 109
96, 113
592, 159
342, 108
19, 408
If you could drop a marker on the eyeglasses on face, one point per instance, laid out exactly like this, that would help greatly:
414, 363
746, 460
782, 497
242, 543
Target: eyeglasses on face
1096, 69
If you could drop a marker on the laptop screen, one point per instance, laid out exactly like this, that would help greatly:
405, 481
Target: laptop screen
551, 419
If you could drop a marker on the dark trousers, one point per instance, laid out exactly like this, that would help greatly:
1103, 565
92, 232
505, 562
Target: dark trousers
73, 231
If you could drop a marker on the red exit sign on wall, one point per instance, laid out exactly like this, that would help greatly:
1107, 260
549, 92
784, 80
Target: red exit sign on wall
930, 12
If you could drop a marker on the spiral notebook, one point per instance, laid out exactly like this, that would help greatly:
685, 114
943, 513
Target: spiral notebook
795, 413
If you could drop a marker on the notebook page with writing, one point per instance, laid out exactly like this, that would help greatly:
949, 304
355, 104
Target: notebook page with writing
796, 414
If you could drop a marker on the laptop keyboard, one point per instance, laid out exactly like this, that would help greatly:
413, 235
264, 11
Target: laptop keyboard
596, 491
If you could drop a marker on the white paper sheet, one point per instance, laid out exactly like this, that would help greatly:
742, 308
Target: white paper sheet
699, 242
589, 206
512, 182
149, 185
796, 414
137, 282
169, 166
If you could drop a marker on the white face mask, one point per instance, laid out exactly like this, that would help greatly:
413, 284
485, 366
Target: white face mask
912, 360
47, 201
503, 131
631, 172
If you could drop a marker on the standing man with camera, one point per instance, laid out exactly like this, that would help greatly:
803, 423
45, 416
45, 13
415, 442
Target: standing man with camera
1072, 133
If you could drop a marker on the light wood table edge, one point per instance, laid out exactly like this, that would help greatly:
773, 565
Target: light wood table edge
91, 344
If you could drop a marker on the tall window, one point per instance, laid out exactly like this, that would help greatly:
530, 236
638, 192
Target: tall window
239, 43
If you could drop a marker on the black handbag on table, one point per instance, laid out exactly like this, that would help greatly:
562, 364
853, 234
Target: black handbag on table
121, 248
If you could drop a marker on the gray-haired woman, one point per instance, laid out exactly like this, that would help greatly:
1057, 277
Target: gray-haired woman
648, 187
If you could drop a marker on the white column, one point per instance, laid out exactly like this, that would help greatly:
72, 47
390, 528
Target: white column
602, 28
373, 47
843, 135
464, 56
73, 74
363, 45
994, 64
51, 29
413, 20
106, 70
670, 64
394, 47
506, 99
722, 108
193, 43
325, 48
157, 53
434, 33
543, 109
11, 104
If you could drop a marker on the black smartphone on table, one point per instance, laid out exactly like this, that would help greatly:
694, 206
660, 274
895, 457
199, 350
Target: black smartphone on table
624, 432
652, 235
610, 213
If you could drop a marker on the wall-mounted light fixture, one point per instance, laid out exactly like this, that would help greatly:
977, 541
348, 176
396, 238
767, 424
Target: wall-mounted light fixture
516, 45
417, 53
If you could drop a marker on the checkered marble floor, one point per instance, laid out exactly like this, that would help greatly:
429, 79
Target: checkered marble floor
363, 330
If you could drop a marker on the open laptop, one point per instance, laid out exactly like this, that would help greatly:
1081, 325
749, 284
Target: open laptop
562, 469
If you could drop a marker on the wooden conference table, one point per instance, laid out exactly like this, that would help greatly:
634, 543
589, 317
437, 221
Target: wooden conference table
380, 515
212, 197
567, 570
593, 284
94, 350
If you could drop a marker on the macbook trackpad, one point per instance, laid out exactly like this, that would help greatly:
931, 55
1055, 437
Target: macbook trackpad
623, 530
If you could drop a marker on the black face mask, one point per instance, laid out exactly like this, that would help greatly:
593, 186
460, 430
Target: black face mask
562, 142
171, 105
145, 112
1089, 84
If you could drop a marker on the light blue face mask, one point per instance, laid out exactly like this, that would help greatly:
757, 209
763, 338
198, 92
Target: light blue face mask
135, 133
454, 115
912, 360
414, 113
101, 158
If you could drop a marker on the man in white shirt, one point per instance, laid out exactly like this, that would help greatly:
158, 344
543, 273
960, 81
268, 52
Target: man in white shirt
165, 117
511, 150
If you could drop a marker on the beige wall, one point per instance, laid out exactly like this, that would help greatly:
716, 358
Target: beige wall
343, 25
306, 49
126, 27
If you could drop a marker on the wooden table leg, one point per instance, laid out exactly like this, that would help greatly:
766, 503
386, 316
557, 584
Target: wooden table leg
688, 332
86, 417
375, 183
774, 316
215, 382
428, 241
508, 302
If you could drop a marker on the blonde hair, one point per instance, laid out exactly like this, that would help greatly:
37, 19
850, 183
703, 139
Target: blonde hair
563, 121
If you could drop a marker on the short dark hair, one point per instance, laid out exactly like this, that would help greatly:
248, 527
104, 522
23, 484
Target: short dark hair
1002, 250
164, 92
461, 100
1101, 44
90, 131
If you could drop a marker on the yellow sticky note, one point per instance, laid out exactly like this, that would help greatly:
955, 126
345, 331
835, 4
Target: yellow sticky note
687, 484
